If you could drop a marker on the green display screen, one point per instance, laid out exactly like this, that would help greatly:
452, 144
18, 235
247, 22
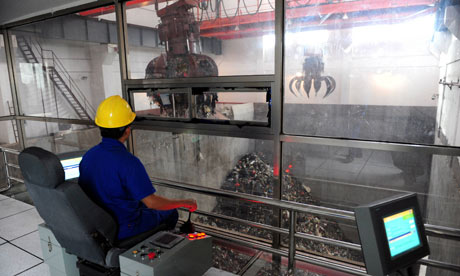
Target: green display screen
401, 231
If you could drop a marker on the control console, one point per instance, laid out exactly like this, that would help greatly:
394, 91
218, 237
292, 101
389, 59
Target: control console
166, 254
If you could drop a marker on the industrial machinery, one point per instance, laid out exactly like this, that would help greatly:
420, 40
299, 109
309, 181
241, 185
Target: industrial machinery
313, 66
167, 254
180, 33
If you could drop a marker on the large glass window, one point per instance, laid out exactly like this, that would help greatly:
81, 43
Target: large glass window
209, 38
66, 66
60, 137
246, 105
362, 71
344, 177
6, 106
232, 164
8, 140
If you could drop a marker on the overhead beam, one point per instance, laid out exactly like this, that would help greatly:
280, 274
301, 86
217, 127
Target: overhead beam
319, 11
332, 22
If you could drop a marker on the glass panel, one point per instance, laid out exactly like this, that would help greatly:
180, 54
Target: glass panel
9, 134
231, 257
8, 140
233, 106
233, 164
326, 227
265, 266
170, 103
181, 39
249, 105
363, 71
445, 251
60, 137
343, 177
67, 65
6, 106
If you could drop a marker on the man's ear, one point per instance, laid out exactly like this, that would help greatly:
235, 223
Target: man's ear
127, 131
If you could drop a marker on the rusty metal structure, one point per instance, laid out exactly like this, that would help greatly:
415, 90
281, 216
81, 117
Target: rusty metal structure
180, 33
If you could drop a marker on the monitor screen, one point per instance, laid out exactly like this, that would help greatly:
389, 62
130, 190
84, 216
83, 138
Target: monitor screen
71, 167
401, 232
392, 234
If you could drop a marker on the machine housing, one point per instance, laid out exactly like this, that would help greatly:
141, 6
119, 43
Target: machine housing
380, 255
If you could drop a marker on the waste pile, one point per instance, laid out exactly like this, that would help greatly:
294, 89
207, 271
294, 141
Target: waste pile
228, 259
253, 175
271, 269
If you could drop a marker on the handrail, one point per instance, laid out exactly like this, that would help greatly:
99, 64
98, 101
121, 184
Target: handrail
59, 67
283, 204
433, 230
7, 165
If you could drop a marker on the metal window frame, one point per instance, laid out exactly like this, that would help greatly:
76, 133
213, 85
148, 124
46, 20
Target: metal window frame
275, 134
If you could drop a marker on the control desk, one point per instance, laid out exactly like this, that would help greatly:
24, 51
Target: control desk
166, 254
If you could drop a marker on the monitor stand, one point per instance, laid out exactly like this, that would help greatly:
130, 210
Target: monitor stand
408, 271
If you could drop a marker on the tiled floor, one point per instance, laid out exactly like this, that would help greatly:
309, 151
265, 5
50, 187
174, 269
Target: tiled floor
20, 251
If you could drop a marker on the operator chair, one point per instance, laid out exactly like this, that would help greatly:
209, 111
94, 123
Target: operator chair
82, 227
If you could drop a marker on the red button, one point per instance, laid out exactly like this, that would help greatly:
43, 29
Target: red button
152, 256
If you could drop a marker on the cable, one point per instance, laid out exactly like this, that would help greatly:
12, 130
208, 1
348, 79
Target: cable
256, 12
225, 10
271, 6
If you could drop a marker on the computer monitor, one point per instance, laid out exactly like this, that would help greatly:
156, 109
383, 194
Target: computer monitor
71, 163
392, 234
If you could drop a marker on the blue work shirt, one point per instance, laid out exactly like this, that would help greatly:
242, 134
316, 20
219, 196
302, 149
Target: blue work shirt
118, 181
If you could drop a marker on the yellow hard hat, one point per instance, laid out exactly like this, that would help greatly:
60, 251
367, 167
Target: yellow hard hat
114, 112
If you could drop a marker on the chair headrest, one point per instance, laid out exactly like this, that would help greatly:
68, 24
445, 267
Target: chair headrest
41, 167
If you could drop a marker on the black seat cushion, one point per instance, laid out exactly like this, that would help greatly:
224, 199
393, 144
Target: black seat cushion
41, 167
80, 226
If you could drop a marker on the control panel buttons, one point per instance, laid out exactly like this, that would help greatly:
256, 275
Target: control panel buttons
135, 253
143, 248
196, 236
152, 255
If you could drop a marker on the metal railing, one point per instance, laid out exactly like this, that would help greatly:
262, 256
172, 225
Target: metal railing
294, 208
52, 64
52, 60
8, 165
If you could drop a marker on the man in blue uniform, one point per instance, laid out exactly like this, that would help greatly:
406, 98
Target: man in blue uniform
118, 181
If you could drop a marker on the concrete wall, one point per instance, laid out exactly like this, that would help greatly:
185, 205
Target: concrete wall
443, 203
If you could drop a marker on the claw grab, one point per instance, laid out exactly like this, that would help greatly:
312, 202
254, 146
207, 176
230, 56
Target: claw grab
313, 66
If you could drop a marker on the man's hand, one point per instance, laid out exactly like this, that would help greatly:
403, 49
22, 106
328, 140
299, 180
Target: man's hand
190, 204
162, 203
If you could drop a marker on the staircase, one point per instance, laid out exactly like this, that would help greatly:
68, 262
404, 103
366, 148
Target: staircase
54, 70
13, 122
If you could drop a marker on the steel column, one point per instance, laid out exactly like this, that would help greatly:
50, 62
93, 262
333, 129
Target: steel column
292, 247
122, 31
276, 116
10, 61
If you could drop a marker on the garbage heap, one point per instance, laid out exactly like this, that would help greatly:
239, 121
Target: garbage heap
252, 175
